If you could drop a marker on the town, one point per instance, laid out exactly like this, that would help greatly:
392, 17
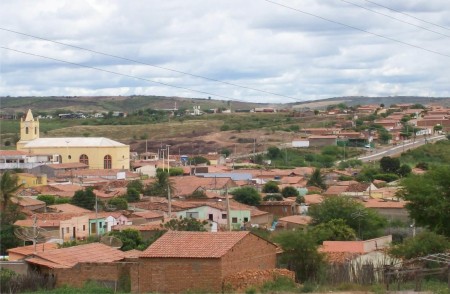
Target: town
337, 195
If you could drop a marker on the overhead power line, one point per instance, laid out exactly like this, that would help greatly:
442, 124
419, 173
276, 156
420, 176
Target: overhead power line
120, 74
409, 15
151, 65
394, 18
358, 29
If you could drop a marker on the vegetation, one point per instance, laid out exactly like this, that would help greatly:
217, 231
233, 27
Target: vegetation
132, 239
289, 191
300, 254
270, 187
119, 203
198, 194
161, 186
48, 199
186, 224
84, 198
432, 154
273, 197
422, 244
8, 188
317, 179
428, 197
366, 222
132, 195
334, 230
137, 185
246, 195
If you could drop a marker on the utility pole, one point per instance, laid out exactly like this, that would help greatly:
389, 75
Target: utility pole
164, 160
228, 209
169, 200
96, 215
168, 160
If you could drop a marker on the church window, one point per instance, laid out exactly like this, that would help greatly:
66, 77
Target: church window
84, 159
26, 130
107, 162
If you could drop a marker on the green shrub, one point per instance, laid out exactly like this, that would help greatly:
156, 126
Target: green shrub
386, 177
281, 283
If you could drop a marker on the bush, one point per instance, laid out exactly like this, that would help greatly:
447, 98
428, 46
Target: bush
225, 128
60, 200
246, 195
132, 195
176, 171
386, 177
48, 199
273, 197
271, 187
289, 191
119, 203
280, 284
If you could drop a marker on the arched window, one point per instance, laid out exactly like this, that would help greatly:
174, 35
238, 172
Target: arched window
26, 130
107, 162
84, 159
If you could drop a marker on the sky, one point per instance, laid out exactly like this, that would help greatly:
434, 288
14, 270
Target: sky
262, 51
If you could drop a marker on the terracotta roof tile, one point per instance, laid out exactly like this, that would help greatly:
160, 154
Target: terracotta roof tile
379, 203
296, 219
313, 199
68, 208
194, 244
28, 250
27, 201
68, 257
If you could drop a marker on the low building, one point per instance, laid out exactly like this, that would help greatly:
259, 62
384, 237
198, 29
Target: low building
279, 208
321, 141
200, 261
294, 222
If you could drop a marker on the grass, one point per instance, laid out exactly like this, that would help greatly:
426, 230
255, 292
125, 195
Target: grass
437, 153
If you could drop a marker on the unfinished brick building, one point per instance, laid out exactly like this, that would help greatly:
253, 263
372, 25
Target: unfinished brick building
199, 261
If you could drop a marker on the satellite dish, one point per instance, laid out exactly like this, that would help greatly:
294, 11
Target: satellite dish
111, 241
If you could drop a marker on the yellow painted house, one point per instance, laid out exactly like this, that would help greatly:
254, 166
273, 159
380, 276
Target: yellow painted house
30, 180
96, 152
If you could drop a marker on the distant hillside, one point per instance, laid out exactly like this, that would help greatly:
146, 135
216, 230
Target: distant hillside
133, 103
355, 100
114, 103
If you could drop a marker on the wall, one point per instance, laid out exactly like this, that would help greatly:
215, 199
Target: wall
241, 281
111, 274
175, 275
78, 223
20, 267
278, 210
251, 253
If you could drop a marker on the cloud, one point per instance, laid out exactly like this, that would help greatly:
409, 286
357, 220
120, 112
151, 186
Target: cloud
258, 45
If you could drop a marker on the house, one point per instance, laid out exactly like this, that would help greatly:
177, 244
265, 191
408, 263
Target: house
279, 208
14, 159
200, 261
294, 222
23, 252
30, 180
55, 170
391, 210
321, 141
29, 203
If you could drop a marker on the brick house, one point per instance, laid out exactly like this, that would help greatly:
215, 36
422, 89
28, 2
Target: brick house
321, 141
279, 208
183, 261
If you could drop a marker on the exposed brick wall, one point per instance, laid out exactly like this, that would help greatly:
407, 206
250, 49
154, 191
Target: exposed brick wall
78, 275
175, 275
239, 282
251, 253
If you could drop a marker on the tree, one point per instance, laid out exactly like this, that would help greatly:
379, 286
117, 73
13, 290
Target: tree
225, 151
368, 223
119, 202
131, 239
48, 199
389, 164
384, 136
247, 195
274, 152
199, 194
317, 179
8, 189
7, 218
316, 112
334, 230
161, 186
271, 187
185, 224
200, 160
300, 199
84, 198
132, 195
422, 244
404, 170
289, 191
137, 185
428, 197
300, 253
273, 197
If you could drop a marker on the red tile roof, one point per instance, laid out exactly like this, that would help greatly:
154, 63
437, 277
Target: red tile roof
68, 257
379, 203
28, 250
68, 165
194, 244
12, 153
296, 219
313, 199
68, 208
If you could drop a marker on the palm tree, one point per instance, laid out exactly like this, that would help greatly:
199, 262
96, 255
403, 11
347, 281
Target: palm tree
317, 179
8, 188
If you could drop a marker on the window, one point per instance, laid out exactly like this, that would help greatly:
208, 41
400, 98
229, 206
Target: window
224, 215
84, 228
67, 230
234, 220
107, 162
210, 217
245, 219
100, 224
84, 159
26, 130
70, 156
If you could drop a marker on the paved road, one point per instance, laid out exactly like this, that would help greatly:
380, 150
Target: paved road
391, 151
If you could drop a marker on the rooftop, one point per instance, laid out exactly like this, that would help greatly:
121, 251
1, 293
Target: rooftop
194, 244
73, 142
